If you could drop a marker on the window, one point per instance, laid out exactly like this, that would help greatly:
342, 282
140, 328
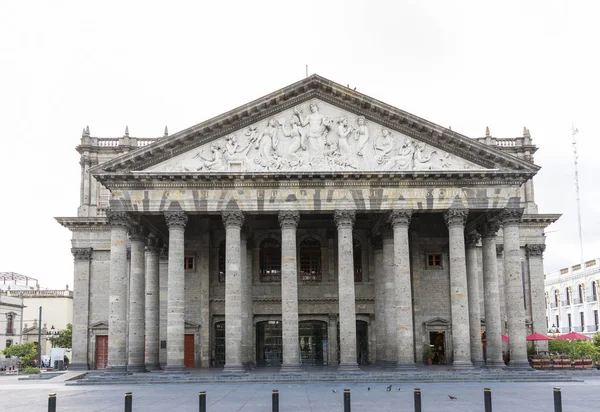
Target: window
310, 260
569, 321
582, 320
434, 260
10, 320
188, 263
222, 262
596, 319
568, 301
270, 261
357, 261
556, 297
594, 291
557, 322
580, 290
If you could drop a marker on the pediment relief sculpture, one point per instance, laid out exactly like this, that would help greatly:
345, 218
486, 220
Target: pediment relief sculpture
316, 136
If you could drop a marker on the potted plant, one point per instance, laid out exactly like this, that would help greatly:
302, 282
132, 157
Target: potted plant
428, 354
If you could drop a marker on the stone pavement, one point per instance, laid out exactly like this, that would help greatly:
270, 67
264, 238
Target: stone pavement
31, 396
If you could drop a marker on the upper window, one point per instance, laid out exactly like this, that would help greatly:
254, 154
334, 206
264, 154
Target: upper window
270, 261
358, 275
310, 260
568, 297
580, 289
434, 261
10, 320
188, 263
222, 262
594, 291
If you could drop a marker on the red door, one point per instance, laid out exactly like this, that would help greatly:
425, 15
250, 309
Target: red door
101, 351
188, 351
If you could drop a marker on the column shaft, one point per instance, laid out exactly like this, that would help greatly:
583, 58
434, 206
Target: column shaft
474, 309
535, 257
514, 287
117, 312
135, 361
491, 287
152, 306
377, 243
163, 281
176, 222
289, 290
233, 221
203, 266
81, 302
344, 220
459, 301
389, 287
333, 340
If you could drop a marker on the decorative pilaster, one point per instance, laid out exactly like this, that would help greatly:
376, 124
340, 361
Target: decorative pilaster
377, 245
135, 358
491, 290
535, 260
233, 221
459, 301
152, 305
514, 300
176, 222
117, 300
405, 350
473, 289
288, 220
81, 294
344, 220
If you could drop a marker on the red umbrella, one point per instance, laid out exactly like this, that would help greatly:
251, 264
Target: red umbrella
538, 336
573, 336
505, 338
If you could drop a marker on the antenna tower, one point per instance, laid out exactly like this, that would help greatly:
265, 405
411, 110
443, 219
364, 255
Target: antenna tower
574, 132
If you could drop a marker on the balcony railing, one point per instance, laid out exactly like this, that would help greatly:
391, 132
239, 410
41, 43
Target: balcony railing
565, 330
592, 328
577, 301
553, 305
592, 298
578, 328
565, 303
10, 331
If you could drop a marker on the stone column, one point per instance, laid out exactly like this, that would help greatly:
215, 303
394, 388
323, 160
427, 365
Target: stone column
163, 287
405, 341
203, 266
514, 288
389, 299
459, 301
244, 296
135, 359
377, 243
233, 221
176, 222
501, 285
491, 287
152, 306
344, 220
81, 304
474, 310
288, 219
333, 340
535, 258
117, 301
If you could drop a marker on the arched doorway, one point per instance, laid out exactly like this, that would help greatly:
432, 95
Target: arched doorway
313, 342
219, 356
269, 343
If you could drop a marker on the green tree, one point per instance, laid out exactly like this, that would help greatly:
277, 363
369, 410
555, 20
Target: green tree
65, 337
26, 352
596, 340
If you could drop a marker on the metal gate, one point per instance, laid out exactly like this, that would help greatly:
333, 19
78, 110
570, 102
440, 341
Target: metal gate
219, 359
269, 343
313, 342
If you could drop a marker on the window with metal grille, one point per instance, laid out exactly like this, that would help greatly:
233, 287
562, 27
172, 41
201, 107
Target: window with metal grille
434, 260
310, 260
358, 275
270, 261
188, 263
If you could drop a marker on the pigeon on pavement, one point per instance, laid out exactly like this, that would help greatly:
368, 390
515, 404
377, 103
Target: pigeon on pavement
452, 397
389, 388
334, 391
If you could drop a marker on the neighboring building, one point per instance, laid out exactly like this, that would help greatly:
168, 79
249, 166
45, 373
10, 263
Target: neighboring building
11, 319
572, 303
312, 226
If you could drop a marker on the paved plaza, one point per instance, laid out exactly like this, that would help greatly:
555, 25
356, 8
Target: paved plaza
31, 396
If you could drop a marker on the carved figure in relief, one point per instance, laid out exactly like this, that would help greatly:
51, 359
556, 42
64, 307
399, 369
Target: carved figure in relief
422, 156
403, 158
318, 127
344, 152
235, 151
216, 163
266, 143
361, 134
383, 146
298, 141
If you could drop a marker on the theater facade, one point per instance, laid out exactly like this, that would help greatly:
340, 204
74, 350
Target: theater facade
312, 226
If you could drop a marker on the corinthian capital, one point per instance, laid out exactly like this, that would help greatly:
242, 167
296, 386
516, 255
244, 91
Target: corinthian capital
81, 253
471, 240
289, 218
137, 233
400, 217
344, 218
118, 219
499, 250
488, 229
511, 216
456, 217
535, 250
176, 219
152, 244
232, 218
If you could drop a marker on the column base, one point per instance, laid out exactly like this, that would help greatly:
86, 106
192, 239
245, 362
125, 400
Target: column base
406, 366
389, 364
349, 368
498, 364
478, 363
116, 370
78, 366
523, 365
234, 369
462, 365
151, 367
136, 368
290, 369
179, 369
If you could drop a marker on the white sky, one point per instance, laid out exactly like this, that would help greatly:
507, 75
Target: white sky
465, 64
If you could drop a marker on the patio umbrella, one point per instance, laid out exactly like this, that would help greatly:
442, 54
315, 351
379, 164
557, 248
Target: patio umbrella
538, 336
573, 336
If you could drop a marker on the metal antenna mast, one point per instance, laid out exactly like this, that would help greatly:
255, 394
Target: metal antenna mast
574, 132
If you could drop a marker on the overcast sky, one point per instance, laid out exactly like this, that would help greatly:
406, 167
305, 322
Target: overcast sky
465, 64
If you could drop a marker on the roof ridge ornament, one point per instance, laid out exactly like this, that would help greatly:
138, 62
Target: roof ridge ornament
526, 132
166, 133
86, 131
487, 132
126, 131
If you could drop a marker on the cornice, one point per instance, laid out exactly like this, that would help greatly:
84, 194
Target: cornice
84, 223
328, 91
539, 220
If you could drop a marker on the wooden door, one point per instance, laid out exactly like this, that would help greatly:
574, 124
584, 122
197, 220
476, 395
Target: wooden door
101, 351
188, 351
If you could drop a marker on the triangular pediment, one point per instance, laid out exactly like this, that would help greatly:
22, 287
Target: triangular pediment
314, 125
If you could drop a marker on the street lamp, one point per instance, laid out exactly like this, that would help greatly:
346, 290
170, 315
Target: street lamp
553, 331
52, 334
